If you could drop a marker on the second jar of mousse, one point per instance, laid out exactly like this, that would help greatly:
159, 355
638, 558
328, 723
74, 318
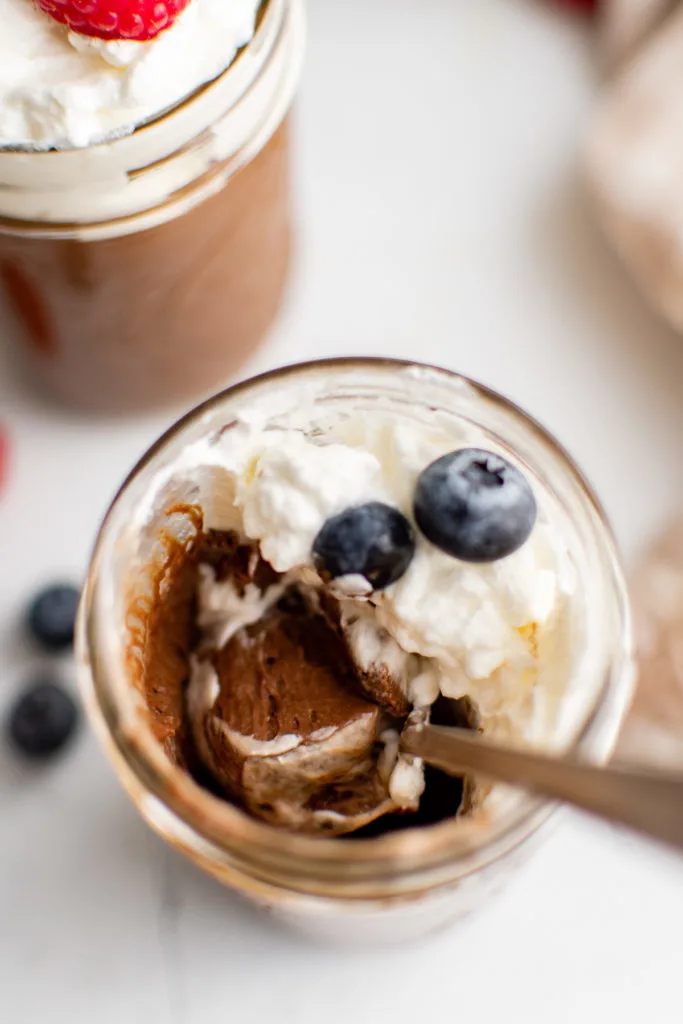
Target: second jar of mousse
145, 204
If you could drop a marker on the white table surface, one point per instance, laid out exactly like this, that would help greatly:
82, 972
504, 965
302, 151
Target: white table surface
441, 219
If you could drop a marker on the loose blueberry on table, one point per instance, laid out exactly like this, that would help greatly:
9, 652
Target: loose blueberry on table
42, 720
372, 540
51, 616
474, 505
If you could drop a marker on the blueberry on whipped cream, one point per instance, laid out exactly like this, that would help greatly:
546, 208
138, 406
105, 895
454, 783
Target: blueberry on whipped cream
372, 540
474, 505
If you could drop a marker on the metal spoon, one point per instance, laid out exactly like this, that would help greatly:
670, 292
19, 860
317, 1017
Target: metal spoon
648, 800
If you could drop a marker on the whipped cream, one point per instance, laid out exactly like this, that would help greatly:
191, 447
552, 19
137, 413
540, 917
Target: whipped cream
497, 632
62, 90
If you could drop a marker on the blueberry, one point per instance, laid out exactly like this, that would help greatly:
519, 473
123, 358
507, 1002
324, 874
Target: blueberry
52, 616
373, 540
474, 505
42, 720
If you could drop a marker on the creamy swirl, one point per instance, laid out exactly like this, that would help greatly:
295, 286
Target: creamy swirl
62, 90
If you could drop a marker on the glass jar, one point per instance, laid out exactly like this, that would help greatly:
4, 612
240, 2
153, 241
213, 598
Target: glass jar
396, 885
144, 270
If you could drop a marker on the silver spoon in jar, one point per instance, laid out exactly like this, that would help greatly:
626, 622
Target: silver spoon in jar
648, 800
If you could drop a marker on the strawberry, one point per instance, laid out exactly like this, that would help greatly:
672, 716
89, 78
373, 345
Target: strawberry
115, 19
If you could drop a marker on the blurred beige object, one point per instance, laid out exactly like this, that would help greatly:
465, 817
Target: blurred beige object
634, 168
625, 24
654, 728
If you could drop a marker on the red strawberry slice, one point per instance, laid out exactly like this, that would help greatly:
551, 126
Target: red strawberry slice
115, 19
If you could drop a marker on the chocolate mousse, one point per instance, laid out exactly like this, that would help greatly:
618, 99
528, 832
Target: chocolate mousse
105, 324
278, 718
283, 727
290, 622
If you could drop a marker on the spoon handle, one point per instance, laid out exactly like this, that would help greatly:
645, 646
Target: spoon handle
647, 800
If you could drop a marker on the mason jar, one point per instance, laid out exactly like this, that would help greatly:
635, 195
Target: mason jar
142, 271
395, 885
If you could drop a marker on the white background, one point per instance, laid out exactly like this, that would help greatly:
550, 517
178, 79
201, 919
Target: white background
440, 219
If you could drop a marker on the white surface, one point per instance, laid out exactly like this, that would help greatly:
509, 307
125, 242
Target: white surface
440, 220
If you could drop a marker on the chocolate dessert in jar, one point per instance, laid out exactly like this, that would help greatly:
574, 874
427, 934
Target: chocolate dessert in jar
301, 566
145, 206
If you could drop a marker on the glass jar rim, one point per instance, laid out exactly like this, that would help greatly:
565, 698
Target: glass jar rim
169, 163
415, 853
